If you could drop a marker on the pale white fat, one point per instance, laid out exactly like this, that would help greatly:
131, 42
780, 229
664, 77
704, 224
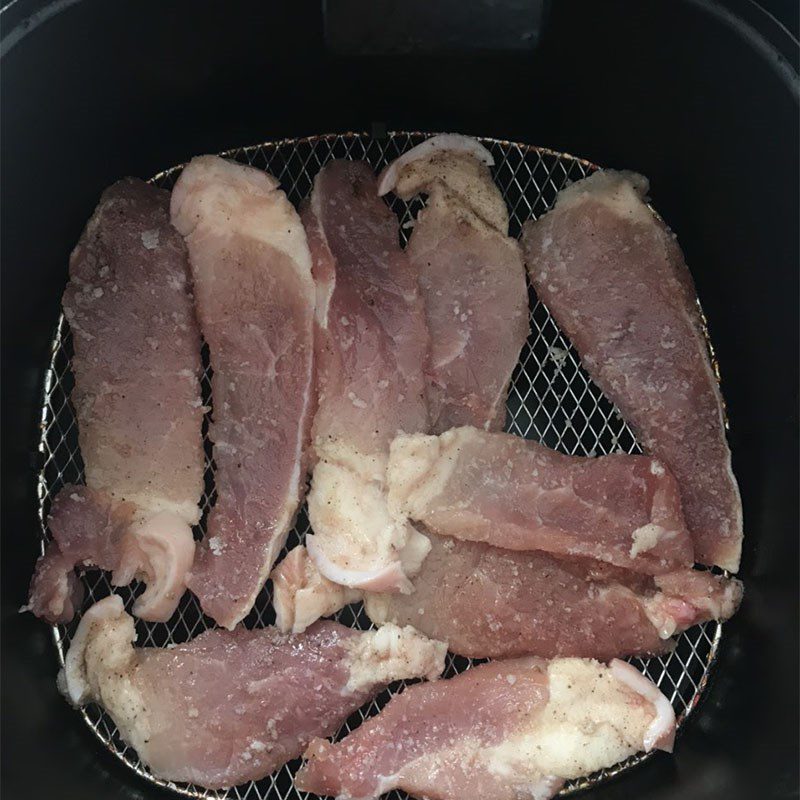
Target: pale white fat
661, 730
315, 602
367, 466
545, 787
324, 289
621, 192
356, 541
100, 667
458, 183
436, 144
590, 721
323, 302
416, 550
731, 560
75, 680
383, 578
211, 192
160, 550
646, 538
154, 503
419, 469
302, 594
392, 653
378, 607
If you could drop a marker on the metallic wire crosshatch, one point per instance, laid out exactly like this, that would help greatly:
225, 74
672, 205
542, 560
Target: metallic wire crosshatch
551, 399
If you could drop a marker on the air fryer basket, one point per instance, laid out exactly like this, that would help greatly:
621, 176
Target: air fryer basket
551, 399
699, 95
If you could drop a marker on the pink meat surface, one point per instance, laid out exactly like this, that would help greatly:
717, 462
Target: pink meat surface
255, 301
137, 401
371, 345
233, 706
491, 603
472, 279
517, 494
614, 278
505, 730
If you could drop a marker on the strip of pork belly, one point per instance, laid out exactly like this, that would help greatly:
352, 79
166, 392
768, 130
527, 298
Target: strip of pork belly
614, 278
233, 706
506, 730
517, 494
491, 603
371, 346
255, 299
471, 275
137, 401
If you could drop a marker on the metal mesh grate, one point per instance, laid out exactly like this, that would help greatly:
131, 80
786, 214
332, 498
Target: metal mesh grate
551, 400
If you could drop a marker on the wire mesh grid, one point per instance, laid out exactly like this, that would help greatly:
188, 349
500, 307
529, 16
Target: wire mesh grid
551, 399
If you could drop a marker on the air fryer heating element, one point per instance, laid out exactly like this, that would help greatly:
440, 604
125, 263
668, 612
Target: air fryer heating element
551, 400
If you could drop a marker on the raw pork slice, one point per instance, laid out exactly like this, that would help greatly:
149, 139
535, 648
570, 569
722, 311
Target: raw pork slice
137, 401
371, 345
614, 278
508, 730
471, 275
491, 603
520, 495
255, 302
233, 706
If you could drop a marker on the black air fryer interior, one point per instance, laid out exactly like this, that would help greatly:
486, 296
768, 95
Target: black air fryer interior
702, 97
